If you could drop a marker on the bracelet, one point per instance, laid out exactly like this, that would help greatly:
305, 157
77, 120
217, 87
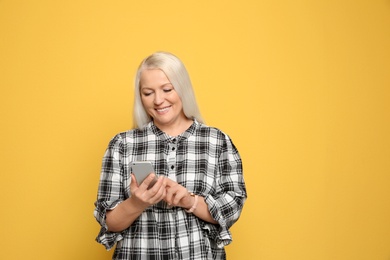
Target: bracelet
192, 209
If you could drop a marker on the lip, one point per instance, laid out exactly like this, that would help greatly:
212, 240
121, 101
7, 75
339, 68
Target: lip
162, 110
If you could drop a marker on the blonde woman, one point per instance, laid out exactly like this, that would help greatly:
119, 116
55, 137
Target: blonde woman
200, 190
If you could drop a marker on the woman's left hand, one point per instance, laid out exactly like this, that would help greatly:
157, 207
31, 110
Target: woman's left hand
177, 195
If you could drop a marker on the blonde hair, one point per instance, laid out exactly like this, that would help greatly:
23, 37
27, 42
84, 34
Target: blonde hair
177, 74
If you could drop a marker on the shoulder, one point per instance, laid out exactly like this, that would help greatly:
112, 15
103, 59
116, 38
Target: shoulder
127, 137
217, 136
212, 132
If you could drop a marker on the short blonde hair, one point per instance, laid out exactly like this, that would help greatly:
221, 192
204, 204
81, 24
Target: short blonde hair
177, 74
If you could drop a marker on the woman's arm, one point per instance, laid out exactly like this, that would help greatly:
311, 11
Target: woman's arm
177, 195
202, 211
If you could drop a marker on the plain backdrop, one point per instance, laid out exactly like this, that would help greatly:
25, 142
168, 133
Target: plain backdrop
302, 88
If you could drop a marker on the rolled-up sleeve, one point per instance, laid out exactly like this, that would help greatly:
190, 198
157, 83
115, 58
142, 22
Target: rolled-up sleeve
110, 192
227, 203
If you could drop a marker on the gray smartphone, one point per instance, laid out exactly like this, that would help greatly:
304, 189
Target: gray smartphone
141, 170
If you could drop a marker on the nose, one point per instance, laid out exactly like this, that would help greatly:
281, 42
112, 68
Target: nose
158, 98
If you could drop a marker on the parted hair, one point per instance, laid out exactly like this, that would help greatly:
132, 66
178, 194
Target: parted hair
177, 74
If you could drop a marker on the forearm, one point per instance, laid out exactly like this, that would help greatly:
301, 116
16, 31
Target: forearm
123, 215
202, 211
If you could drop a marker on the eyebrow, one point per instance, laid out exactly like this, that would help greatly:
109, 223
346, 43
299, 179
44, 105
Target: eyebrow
163, 85
169, 83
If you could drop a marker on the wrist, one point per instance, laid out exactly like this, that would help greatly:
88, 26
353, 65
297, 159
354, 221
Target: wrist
136, 205
195, 203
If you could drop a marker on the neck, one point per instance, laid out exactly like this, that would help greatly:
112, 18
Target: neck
176, 129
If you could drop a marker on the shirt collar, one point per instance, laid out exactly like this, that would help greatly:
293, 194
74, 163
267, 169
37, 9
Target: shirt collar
164, 137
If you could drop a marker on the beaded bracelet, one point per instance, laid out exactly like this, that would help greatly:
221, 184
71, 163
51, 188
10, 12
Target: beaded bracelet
192, 209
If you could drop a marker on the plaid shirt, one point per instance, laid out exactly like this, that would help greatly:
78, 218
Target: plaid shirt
202, 159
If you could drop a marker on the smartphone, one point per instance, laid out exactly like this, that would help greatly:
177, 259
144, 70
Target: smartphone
141, 170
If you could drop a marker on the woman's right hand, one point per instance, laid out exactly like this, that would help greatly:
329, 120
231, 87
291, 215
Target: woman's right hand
144, 197
122, 216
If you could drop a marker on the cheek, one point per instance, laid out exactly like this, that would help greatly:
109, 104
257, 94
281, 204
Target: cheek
145, 101
176, 99
179, 103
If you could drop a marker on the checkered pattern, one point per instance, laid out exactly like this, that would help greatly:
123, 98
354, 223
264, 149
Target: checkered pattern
206, 162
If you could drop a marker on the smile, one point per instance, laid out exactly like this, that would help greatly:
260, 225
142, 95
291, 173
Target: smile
162, 110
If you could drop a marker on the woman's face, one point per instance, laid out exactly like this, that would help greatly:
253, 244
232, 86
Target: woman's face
160, 99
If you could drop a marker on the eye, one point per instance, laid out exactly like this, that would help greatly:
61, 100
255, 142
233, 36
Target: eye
168, 90
146, 94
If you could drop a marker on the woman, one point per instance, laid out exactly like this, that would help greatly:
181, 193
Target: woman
200, 190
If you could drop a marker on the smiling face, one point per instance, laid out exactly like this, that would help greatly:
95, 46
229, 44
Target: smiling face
161, 102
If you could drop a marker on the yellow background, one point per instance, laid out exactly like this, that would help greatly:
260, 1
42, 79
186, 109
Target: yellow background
302, 87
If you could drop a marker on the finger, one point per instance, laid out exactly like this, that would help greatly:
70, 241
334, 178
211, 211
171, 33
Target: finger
144, 194
161, 192
175, 192
170, 183
157, 192
170, 194
148, 180
159, 184
182, 193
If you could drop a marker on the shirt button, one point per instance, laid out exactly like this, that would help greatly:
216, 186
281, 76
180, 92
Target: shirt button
172, 167
173, 148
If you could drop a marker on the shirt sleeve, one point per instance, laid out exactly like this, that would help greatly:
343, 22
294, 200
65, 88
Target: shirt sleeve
110, 191
227, 203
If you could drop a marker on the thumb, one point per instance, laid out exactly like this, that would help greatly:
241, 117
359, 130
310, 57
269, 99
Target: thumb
133, 183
